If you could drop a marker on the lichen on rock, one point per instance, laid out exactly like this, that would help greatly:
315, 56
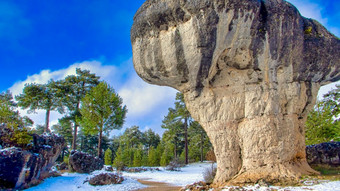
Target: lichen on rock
249, 73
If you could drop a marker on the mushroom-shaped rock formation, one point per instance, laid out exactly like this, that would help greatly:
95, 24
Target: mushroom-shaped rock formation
250, 72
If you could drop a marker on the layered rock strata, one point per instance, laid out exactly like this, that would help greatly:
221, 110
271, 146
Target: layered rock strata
249, 70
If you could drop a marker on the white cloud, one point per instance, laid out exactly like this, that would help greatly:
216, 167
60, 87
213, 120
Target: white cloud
45, 75
142, 97
147, 104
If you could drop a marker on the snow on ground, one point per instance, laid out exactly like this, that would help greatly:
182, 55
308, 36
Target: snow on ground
75, 181
326, 186
188, 175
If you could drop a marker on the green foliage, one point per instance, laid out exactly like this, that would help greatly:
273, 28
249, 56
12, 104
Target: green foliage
64, 128
151, 139
15, 126
323, 123
177, 122
119, 160
108, 157
308, 30
153, 157
145, 160
74, 88
138, 156
133, 137
101, 111
167, 155
199, 143
41, 96
66, 159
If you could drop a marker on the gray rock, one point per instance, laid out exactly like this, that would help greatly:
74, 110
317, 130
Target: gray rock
22, 168
84, 163
324, 153
105, 179
250, 72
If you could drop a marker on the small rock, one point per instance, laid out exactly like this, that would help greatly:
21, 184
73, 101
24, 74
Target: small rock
105, 179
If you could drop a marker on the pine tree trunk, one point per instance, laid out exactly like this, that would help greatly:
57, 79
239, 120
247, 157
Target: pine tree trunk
74, 141
202, 146
100, 144
47, 120
175, 150
186, 140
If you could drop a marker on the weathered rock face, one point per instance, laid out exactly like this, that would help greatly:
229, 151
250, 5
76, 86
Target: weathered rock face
84, 163
20, 169
249, 70
324, 153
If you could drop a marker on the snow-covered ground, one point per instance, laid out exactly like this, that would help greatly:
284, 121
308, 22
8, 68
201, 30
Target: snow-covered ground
75, 181
188, 175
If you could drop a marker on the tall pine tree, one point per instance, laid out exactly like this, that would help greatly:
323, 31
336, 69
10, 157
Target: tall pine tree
74, 88
101, 111
41, 96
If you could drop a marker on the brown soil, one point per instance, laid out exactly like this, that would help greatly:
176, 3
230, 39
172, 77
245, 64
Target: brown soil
157, 186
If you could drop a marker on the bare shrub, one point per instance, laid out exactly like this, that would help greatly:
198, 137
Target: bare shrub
209, 173
174, 165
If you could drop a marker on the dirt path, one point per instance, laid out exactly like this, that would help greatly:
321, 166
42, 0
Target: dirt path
157, 186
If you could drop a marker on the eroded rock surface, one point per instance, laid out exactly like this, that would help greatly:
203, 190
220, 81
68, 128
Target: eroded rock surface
21, 169
250, 71
84, 163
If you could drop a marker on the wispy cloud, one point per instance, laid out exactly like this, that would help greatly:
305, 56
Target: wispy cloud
147, 104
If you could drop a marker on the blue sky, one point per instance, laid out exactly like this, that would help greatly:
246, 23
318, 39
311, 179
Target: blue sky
44, 39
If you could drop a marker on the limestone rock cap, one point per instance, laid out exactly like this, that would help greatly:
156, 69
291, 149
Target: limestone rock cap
186, 44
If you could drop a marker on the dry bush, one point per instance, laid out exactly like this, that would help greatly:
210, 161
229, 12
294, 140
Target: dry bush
174, 165
209, 173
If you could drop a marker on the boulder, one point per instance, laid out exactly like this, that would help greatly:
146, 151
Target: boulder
84, 163
250, 72
105, 179
324, 154
23, 168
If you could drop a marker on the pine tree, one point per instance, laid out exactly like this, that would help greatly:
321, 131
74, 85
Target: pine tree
41, 96
118, 162
153, 157
166, 155
108, 157
177, 121
101, 111
323, 123
138, 156
145, 160
159, 152
17, 127
74, 88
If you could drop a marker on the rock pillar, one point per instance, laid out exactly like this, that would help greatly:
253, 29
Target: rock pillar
249, 70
